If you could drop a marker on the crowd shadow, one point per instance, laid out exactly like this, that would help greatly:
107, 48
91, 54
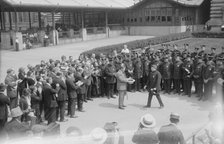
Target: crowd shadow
108, 105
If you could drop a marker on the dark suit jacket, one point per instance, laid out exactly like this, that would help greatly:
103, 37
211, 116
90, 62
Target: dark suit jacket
109, 73
71, 88
49, 97
4, 101
62, 93
82, 88
154, 80
144, 136
170, 134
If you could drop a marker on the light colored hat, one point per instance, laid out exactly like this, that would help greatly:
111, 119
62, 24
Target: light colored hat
16, 112
98, 136
148, 121
175, 116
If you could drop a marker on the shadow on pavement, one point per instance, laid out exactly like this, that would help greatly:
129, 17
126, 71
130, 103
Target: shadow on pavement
108, 105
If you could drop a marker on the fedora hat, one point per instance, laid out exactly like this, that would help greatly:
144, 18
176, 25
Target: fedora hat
2, 87
98, 136
16, 112
148, 121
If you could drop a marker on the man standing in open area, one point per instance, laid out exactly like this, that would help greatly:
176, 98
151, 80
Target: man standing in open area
153, 86
122, 81
171, 134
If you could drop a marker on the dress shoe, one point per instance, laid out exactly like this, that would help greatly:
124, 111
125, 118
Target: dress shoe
85, 101
113, 97
147, 106
124, 106
82, 111
121, 108
161, 107
65, 120
73, 116
90, 99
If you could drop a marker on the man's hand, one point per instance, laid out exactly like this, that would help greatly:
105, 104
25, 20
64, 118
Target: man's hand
145, 87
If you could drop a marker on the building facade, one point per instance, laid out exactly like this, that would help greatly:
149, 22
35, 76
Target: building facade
159, 17
216, 15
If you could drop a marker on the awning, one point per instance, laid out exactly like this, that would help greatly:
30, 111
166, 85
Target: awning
104, 4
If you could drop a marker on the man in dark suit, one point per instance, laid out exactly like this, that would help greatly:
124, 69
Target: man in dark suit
110, 71
72, 94
81, 91
49, 99
171, 134
153, 86
4, 101
166, 69
177, 72
62, 95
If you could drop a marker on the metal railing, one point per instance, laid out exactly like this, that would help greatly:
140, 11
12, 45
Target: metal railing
192, 138
95, 30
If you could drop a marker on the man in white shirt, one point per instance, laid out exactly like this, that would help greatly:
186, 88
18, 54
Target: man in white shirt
125, 50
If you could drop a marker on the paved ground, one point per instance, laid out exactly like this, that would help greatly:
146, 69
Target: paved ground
101, 110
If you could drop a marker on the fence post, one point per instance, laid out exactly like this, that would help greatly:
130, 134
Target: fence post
193, 139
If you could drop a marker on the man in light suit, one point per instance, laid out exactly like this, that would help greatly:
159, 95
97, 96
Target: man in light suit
122, 81
171, 134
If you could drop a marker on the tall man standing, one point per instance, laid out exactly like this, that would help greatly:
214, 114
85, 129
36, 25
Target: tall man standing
62, 95
122, 81
171, 134
153, 86
110, 71
49, 99
72, 94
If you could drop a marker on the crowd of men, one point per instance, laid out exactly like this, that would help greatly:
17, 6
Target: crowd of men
46, 88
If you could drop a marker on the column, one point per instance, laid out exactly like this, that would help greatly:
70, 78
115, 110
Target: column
106, 24
39, 19
30, 25
10, 21
16, 22
54, 33
1, 19
83, 30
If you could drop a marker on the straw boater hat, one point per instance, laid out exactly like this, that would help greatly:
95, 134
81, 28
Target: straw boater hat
98, 136
16, 112
148, 121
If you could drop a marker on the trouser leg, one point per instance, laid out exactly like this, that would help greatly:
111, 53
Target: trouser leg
80, 101
72, 106
149, 99
69, 106
159, 100
62, 110
121, 98
52, 115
